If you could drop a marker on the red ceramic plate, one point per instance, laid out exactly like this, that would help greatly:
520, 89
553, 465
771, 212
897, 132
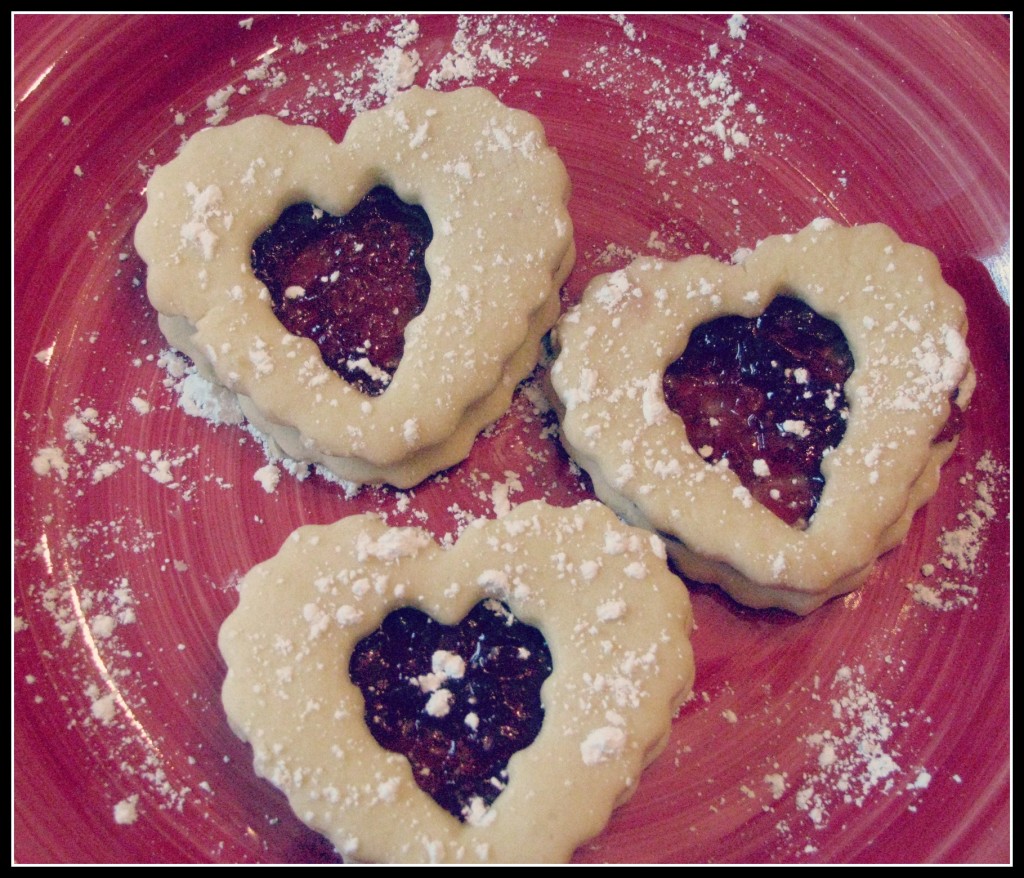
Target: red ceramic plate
876, 730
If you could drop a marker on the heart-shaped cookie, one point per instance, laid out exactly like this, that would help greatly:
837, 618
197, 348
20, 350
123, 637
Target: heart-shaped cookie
495, 194
615, 620
905, 329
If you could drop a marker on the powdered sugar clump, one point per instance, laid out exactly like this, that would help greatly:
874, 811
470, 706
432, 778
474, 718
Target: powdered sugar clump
126, 811
268, 476
602, 744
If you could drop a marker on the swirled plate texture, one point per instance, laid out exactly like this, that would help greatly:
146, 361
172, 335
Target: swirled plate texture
874, 730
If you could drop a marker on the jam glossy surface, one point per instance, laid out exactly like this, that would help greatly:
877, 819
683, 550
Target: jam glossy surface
456, 700
349, 283
766, 394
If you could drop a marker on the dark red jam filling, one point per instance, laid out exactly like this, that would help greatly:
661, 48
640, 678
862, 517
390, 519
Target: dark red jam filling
349, 283
954, 425
766, 394
458, 742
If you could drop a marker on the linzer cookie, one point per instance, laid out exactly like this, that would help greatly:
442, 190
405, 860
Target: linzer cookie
372, 303
489, 702
778, 421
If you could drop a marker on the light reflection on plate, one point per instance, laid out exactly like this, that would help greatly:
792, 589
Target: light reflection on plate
680, 138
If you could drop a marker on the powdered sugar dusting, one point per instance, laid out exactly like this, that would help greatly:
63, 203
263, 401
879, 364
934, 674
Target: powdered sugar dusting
855, 758
709, 113
94, 587
953, 579
485, 46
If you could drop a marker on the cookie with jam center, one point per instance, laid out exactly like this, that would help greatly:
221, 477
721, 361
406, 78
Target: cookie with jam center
500, 246
323, 647
904, 329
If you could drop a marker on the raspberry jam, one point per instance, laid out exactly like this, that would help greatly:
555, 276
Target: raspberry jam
766, 394
349, 283
456, 700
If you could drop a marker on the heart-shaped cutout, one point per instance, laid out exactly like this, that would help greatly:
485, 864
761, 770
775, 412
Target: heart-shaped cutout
766, 394
349, 283
905, 328
456, 700
598, 593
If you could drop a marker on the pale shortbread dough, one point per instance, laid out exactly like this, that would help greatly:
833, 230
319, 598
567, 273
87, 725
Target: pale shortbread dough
905, 327
617, 623
495, 194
